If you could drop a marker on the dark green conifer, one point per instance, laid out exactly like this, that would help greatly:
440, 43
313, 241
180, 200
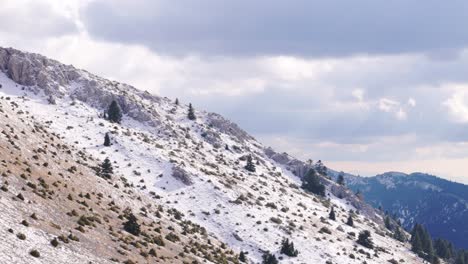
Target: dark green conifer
107, 142
114, 113
311, 182
106, 170
250, 166
191, 113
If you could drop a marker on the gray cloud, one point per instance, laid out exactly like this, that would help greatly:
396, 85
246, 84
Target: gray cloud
298, 27
33, 19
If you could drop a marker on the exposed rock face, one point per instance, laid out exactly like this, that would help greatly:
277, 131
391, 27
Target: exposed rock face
358, 203
182, 175
227, 127
40, 73
298, 167
212, 138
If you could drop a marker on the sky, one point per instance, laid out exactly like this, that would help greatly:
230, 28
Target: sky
367, 86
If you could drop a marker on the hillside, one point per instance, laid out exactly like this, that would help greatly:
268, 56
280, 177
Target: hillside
441, 205
192, 170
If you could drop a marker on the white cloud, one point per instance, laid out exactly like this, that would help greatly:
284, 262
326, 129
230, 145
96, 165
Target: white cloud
457, 104
358, 94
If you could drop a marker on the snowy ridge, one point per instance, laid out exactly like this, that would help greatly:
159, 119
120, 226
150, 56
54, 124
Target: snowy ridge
250, 211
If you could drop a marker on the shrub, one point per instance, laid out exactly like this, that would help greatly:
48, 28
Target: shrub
365, 240
54, 242
21, 236
268, 258
34, 253
287, 248
132, 226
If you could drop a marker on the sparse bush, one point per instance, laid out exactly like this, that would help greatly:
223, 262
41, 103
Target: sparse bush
132, 226
35, 253
54, 242
365, 240
21, 236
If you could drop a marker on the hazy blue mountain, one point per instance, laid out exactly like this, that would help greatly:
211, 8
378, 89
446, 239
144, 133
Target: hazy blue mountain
441, 205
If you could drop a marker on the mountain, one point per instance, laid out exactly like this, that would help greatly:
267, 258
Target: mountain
440, 205
182, 183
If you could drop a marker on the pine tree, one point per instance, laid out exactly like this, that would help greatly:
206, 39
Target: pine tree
177, 101
350, 221
443, 248
287, 248
421, 243
416, 244
107, 142
321, 168
191, 113
106, 170
365, 240
388, 223
399, 235
332, 216
242, 257
132, 226
114, 113
311, 183
460, 259
250, 166
268, 258
340, 179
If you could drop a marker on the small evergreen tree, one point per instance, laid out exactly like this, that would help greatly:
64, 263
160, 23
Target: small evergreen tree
250, 166
311, 183
287, 248
388, 223
114, 113
443, 248
106, 169
365, 240
132, 226
191, 113
332, 215
416, 244
107, 142
321, 168
268, 258
177, 101
461, 257
399, 234
242, 257
350, 221
340, 179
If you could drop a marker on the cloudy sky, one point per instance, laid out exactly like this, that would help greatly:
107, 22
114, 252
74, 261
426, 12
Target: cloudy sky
368, 86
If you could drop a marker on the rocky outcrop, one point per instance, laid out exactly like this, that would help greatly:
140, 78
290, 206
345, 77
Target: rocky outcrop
227, 127
298, 167
55, 79
212, 138
182, 175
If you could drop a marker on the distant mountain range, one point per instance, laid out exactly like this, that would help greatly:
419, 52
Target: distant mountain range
438, 204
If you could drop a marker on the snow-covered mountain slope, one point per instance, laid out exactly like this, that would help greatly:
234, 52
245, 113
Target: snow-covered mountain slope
50, 192
197, 167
